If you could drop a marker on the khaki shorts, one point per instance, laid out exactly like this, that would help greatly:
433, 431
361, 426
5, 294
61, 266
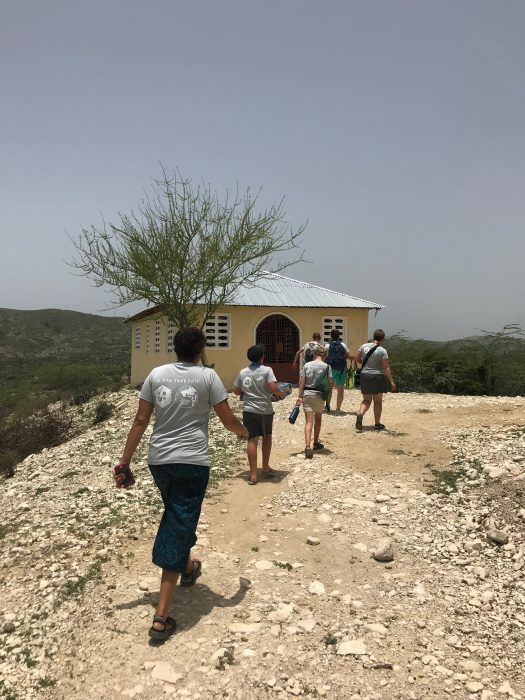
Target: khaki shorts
313, 402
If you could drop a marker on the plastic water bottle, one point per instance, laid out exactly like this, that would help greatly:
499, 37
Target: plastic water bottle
293, 415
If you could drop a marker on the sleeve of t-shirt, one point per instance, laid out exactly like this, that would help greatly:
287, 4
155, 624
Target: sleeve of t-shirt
238, 382
217, 391
302, 373
270, 376
330, 371
384, 354
345, 347
146, 392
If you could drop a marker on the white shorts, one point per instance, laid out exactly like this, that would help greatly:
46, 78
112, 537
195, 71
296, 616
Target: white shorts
313, 402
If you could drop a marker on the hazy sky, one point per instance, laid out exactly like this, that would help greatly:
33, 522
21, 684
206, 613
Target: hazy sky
396, 128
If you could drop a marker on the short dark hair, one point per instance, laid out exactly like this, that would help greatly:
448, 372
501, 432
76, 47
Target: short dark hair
316, 336
334, 334
256, 352
379, 334
189, 342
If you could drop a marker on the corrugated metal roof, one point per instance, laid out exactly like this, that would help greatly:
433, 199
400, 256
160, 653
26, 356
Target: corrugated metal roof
276, 290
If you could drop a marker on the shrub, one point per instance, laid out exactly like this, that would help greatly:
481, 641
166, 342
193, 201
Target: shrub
80, 397
103, 411
8, 459
25, 435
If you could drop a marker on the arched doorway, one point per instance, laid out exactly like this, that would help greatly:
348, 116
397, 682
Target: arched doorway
280, 336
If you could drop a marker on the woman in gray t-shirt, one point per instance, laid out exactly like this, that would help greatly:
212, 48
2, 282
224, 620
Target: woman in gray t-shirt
376, 378
312, 399
182, 394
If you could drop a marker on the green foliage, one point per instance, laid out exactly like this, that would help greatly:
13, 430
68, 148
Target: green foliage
76, 588
186, 250
52, 354
22, 436
7, 693
103, 411
8, 459
491, 364
283, 565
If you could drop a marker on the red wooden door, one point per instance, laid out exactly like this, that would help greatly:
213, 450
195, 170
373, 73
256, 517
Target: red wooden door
280, 336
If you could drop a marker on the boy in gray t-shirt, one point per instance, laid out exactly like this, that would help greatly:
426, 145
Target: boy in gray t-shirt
257, 383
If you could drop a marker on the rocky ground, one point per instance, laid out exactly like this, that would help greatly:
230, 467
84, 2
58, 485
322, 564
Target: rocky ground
293, 601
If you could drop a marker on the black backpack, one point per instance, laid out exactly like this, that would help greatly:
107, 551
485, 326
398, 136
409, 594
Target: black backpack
309, 351
336, 355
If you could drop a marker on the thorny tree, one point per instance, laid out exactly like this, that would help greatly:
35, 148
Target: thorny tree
186, 250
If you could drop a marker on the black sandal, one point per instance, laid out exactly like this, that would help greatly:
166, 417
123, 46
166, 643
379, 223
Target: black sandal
189, 579
169, 628
318, 446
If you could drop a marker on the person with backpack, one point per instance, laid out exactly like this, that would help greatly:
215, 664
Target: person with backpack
307, 350
338, 354
375, 378
314, 380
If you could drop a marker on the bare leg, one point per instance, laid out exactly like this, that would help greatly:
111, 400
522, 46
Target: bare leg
266, 450
365, 404
252, 457
378, 407
167, 586
318, 417
309, 418
168, 582
340, 396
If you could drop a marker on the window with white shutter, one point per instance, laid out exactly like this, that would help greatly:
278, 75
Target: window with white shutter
330, 322
217, 331
169, 336
157, 335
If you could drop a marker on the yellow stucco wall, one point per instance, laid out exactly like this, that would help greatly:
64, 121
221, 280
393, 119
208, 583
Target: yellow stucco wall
244, 321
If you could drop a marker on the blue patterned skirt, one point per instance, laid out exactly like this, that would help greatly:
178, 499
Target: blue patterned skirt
182, 487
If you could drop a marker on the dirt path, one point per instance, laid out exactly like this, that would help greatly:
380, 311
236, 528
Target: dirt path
273, 616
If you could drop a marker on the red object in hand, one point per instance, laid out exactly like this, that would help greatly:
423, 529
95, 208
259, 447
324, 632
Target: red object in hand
129, 477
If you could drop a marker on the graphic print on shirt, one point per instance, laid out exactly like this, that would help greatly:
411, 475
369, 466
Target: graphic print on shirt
309, 375
164, 396
247, 382
187, 397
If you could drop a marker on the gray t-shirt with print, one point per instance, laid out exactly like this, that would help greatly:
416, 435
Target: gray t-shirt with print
374, 363
253, 381
312, 372
183, 395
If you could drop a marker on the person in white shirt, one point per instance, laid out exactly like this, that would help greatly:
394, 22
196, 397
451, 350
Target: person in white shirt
376, 378
307, 350
337, 355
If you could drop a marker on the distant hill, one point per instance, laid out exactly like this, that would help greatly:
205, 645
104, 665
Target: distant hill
62, 335
52, 350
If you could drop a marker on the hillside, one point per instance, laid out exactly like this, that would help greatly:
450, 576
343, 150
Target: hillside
55, 334
52, 350
292, 602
